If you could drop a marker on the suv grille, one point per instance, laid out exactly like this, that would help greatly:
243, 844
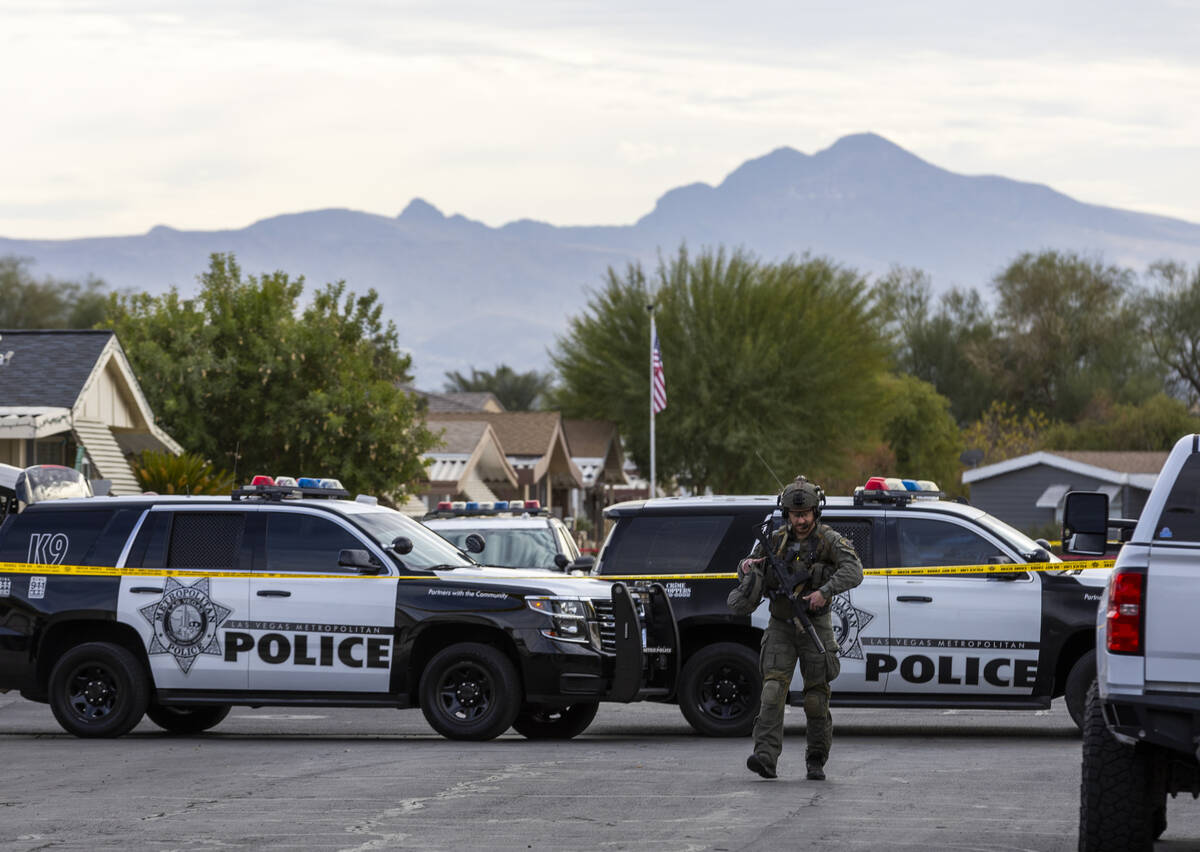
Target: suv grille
607, 622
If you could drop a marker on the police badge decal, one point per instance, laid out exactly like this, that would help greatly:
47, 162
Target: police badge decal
185, 622
848, 623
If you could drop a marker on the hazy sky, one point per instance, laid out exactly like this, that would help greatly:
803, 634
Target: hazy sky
122, 115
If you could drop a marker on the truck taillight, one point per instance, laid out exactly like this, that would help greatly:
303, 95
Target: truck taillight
1125, 602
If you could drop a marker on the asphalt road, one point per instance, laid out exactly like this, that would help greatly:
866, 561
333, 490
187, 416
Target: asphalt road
637, 779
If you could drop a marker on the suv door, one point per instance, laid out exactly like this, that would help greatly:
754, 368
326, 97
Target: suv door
316, 626
1172, 649
185, 620
969, 633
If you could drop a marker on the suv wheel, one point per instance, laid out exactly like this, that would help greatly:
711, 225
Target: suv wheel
187, 720
719, 690
1079, 680
1116, 804
555, 723
98, 690
470, 692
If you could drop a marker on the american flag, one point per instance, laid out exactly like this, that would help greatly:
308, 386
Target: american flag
658, 387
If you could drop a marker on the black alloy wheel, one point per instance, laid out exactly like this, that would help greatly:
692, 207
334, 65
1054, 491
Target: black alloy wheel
470, 692
98, 690
719, 690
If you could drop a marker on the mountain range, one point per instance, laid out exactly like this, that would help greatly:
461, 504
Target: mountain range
465, 294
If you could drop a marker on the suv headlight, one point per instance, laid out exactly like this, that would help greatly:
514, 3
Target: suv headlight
569, 617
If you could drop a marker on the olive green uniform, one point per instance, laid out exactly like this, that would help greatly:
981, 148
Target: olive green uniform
835, 569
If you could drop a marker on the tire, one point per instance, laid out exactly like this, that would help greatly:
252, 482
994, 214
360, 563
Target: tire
98, 690
719, 690
187, 720
1079, 680
555, 723
1116, 802
470, 692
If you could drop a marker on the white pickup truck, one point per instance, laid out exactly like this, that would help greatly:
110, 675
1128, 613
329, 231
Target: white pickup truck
1141, 733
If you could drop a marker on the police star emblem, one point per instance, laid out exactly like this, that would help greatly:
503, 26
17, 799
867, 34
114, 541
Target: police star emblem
185, 622
848, 625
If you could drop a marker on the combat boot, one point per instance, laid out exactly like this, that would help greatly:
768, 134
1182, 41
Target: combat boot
756, 764
816, 770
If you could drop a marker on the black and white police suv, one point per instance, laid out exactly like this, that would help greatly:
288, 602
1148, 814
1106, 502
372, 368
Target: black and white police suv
515, 534
1141, 735
179, 607
1014, 640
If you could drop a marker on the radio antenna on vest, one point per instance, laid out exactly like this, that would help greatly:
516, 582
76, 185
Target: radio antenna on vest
768, 467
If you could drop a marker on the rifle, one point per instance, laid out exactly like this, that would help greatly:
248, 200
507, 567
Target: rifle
788, 582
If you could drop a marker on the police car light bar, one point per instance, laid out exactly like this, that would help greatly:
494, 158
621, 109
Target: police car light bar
276, 488
879, 489
485, 508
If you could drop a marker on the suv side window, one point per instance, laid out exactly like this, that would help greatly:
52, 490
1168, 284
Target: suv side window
209, 540
67, 537
923, 542
299, 542
1180, 518
665, 544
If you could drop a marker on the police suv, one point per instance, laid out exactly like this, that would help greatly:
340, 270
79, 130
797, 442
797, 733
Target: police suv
179, 607
1008, 638
515, 534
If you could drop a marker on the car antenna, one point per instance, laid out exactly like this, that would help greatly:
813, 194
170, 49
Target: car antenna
768, 467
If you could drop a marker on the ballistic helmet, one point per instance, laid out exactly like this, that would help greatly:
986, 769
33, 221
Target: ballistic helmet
800, 494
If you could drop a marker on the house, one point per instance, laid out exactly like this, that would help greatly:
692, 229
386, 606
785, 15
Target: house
595, 447
468, 463
71, 398
536, 447
458, 402
1029, 491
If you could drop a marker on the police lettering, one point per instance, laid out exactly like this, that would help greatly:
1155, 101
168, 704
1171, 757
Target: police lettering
918, 668
355, 652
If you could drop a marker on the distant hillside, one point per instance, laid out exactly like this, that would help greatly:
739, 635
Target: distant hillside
465, 294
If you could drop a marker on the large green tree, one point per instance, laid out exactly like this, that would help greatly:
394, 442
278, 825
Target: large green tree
934, 338
1171, 317
783, 359
1067, 329
29, 302
515, 391
247, 377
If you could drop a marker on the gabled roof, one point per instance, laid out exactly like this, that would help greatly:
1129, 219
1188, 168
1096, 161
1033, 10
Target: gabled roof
595, 447
528, 435
458, 401
1138, 469
468, 450
48, 369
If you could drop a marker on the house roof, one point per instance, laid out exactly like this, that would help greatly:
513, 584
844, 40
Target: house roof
469, 451
1138, 469
48, 369
595, 448
458, 401
531, 439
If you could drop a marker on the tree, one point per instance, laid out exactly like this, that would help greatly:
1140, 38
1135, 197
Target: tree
1067, 328
244, 377
1003, 433
921, 432
516, 391
1171, 318
934, 343
1153, 425
783, 359
26, 302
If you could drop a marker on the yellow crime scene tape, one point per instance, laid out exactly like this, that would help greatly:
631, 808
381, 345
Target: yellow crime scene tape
111, 571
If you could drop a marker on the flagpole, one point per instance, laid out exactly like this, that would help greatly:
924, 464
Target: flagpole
652, 489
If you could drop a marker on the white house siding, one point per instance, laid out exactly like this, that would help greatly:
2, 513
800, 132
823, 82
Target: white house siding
105, 401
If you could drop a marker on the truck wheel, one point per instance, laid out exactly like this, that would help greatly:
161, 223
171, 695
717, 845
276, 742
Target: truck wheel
1116, 807
1079, 680
556, 723
98, 689
719, 690
470, 692
187, 720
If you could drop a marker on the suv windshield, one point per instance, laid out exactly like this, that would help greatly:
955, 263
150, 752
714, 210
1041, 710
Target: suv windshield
430, 550
1013, 537
510, 548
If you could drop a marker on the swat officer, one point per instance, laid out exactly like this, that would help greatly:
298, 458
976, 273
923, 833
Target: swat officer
824, 564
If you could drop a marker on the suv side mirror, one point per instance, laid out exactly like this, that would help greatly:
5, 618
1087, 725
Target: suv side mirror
561, 561
402, 544
584, 564
475, 543
360, 560
1085, 523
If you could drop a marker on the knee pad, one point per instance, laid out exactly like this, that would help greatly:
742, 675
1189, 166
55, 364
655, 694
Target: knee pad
774, 691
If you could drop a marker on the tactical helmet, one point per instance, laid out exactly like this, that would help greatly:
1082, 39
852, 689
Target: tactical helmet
800, 494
